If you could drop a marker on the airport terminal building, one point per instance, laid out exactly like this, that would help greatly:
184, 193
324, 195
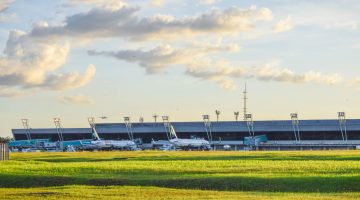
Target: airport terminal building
281, 134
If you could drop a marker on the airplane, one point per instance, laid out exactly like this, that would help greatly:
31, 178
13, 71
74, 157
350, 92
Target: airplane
103, 117
187, 143
164, 145
99, 144
110, 145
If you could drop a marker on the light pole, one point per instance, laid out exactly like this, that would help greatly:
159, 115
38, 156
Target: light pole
155, 116
236, 114
217, 112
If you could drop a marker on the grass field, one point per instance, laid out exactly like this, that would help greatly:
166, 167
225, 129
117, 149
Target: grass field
182, 175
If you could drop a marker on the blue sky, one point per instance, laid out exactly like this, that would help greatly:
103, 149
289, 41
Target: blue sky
78, 58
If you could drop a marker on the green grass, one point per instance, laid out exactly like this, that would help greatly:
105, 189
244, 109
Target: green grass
182, 175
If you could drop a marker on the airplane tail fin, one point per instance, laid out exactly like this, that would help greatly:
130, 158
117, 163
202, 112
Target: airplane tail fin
95, 134
172, 133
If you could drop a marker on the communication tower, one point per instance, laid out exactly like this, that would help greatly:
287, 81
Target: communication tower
245, 102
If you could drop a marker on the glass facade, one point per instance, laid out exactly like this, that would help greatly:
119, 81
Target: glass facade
217, 136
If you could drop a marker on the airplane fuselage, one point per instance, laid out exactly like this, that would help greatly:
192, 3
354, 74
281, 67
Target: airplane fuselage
112, 144
192, 143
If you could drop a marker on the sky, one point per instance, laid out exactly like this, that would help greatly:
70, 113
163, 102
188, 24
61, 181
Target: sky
183, 58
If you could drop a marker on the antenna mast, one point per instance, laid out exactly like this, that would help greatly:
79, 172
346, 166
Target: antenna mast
245, 101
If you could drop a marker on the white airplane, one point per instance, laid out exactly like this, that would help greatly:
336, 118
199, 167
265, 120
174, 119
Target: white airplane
98, 143
187, 143
113, 144
164, 145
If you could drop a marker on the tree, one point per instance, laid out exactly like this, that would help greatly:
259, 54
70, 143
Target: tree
5, 139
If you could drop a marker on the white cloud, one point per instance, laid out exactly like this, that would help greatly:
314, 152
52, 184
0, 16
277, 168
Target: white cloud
219, 72
283, 25
269, 72
76, 99
225, 74
198, 64
125, 22
4, 4
194, 57
158, 58
33, 63
69, 80
27, 60
35, 67
6, 17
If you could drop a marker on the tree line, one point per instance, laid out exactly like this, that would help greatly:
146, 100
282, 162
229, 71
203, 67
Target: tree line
5, 139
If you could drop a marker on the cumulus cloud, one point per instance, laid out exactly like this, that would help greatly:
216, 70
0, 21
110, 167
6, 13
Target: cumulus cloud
219, 72
193, 57
158, 58
5, 17
33, 63
4, 4
69, 80
125, 22
76, 99
198, 65
225, 74
268, 72
283, 25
